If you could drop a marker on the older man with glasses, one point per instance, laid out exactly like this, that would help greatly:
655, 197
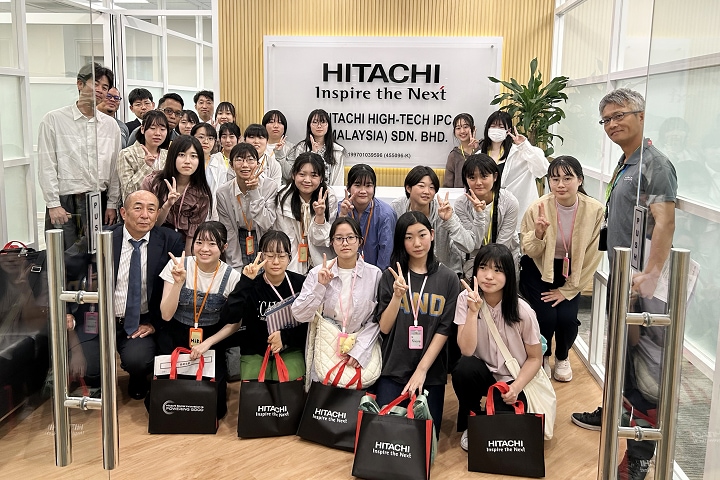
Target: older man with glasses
109, 106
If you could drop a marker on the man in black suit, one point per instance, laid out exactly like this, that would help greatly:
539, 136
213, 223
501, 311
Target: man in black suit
140, 249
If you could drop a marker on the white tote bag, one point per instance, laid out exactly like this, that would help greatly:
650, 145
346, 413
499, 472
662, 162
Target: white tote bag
539, 391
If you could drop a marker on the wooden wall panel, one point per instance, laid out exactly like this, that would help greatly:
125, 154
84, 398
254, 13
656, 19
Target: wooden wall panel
526, 27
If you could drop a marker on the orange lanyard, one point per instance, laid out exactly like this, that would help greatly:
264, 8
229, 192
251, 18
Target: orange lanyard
197, 313
249, 224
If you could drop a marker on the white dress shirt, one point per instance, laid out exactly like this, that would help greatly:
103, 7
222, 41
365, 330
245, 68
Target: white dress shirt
123, 274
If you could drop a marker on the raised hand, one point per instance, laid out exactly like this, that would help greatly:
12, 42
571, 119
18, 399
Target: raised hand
315, 145
325, 274
252, 269
478, 205
346, 206
178, 270
173, 194
473, 143
517, 138
253, 182
280, 144
474, 301
445, 210
541, 222
399, 285
319, 205
149, 157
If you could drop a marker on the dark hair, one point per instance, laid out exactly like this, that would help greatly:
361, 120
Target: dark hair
361, 173
198, 180
88, 70
464, 116
272, 239
499, 256
139, 94
242, 149
210, 132
229, 127
321, 114
211, 230
506, 120
256, 130
486, 166
275, 114
154, 117
192, 116
203, 93
290, 189
399, 254
418, 173
225, 106
567, 165
347, 221
171, 96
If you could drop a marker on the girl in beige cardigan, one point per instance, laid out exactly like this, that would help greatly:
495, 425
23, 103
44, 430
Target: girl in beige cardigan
559, 235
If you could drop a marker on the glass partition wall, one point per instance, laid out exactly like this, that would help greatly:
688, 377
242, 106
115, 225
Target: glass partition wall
671, 55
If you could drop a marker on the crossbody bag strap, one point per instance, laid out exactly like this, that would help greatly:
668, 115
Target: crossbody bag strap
494, 331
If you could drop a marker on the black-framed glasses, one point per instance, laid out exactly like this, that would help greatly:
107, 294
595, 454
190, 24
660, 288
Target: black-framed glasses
175, 113
617, 116
350, 239
117, 98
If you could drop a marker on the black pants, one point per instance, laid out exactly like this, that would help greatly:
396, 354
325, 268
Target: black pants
137, 355
471, 380
76, 226
560, 321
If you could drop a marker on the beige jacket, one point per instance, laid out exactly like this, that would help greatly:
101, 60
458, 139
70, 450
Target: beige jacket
585, 256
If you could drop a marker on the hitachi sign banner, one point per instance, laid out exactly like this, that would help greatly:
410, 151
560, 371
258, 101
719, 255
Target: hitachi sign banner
391, 100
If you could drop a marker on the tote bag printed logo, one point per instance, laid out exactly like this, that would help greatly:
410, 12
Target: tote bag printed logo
170, 407
272, 411
334, 416
392, 449
505, 446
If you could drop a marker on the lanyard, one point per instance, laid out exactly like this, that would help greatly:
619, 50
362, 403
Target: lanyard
343, 313
292, 290
197, 313
182, 199
572, 226
488, 235
304, 219
415, 308
248, 225
367, 225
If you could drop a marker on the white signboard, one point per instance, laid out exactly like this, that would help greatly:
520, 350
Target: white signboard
391, 100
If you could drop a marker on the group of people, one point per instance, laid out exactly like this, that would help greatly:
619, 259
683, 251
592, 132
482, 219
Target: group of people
218, 227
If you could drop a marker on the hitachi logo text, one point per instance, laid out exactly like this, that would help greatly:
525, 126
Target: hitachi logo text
392, 449
504, 443
334, 416
271, 411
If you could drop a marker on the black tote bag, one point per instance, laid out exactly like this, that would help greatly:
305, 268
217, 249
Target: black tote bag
392, 447
180, 405
270, 408
330, 414
506, 444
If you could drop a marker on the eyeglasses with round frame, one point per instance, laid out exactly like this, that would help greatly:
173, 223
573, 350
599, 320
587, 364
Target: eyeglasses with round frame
617, 116
248, 160
272, 256
204, 138
319, 122
350, 239
169, 111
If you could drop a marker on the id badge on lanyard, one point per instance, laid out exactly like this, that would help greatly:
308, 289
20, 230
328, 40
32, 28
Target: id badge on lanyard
196, 336
250, 244
92, 317
415, 331
303, 252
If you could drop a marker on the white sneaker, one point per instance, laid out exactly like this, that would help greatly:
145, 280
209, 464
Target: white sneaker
546, 366
563, 371
464, 441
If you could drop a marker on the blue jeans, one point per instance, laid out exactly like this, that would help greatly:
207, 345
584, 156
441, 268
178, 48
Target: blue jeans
387, 390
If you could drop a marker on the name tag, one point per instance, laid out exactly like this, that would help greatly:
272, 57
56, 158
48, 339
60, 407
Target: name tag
415, 338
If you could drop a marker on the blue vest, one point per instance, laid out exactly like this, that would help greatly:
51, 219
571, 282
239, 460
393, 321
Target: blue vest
211, 312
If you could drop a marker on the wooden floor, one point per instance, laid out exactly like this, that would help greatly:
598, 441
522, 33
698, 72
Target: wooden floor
26, 446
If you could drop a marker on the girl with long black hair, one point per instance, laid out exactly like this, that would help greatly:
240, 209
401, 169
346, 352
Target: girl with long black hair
319, 140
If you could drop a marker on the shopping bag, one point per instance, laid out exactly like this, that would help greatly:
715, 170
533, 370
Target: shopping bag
270, 408
392, 447
506, 444
182, 405
330, 414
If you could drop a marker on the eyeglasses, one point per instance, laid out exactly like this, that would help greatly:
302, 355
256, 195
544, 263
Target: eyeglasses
205, 138
617, 116
117, 98
248, 160
170, 112
350, 239
319, 122
271, 257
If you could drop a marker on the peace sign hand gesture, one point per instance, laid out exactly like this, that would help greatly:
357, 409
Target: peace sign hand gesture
399, 285
346, 206
319, 206
474, 143
474, 301
173, 194
478, 205
253, 182
445, 210
251, 270
149, 157
280, 144
517, 138
315, 145
178, 270
324, 274
541, 222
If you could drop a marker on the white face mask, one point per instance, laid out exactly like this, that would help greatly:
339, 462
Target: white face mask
497, 134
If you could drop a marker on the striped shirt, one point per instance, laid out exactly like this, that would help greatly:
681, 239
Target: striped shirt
123, 274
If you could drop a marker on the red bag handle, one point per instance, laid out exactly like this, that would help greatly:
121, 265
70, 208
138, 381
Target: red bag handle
174, 359
338, 376
397, 401
503, 388
282, 370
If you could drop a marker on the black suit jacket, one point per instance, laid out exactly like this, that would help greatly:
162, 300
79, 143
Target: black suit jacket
162, 240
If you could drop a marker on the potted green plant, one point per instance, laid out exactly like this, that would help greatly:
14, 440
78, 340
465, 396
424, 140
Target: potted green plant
535, 106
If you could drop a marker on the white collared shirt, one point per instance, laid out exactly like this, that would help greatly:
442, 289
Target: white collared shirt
123, 274
77, 154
